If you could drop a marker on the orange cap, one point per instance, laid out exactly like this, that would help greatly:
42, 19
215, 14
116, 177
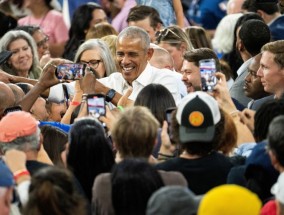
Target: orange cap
17, 124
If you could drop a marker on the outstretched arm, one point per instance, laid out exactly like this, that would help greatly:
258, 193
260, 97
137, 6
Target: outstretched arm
46, 80
222, 95
179, 12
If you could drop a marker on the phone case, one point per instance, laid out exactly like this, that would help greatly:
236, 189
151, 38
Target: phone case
4, 56
70, 71
96, 104
207, 73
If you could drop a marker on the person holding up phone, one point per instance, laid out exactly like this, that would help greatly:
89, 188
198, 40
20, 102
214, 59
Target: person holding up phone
96, 105
191, 69
70, 71
133, 53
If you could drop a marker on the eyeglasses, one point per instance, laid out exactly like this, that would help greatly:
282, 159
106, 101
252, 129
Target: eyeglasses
92, 63
42, 42
160, 35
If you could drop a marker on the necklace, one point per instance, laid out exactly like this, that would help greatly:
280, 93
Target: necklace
41, 21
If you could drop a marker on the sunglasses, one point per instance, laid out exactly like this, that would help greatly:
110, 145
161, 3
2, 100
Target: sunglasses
160, 35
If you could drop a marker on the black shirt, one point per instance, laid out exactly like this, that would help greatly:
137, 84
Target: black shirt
203, 173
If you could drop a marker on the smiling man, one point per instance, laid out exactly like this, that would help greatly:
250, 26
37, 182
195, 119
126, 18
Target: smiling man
190, 68
271, 70
132, 54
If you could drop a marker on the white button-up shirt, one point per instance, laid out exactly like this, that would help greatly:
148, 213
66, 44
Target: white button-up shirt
116, 81
150, 75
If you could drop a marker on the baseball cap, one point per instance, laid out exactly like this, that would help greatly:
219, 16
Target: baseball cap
230, 200
17, 124
197, 115
6, 176
176, 200
278, 189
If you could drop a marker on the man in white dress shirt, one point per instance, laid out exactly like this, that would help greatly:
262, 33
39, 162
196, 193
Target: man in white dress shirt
132, 54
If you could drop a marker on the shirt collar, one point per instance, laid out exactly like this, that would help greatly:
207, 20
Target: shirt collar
144, 78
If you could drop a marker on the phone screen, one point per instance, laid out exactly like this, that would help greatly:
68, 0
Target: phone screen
96, 105
207, 72
70, 71
169, 120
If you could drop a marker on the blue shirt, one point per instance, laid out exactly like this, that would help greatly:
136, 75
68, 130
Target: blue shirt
63, 127
277, 28
73, 5
207, 13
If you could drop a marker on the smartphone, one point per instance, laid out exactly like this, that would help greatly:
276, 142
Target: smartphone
70, 71
96, 105
4, 56
169, 120
12, 109
207, 72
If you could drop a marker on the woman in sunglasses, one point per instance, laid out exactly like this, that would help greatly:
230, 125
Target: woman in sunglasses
97, 55
176, 42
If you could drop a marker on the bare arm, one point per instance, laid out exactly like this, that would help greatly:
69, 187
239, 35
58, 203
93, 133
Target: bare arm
46, 80
57, 49
75, 102
223, 97
100, 88
90, 85
179, 13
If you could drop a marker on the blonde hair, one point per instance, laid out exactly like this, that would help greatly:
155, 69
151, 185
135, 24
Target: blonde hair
174, 35
134, 132
276, 48
110, 40
100, 30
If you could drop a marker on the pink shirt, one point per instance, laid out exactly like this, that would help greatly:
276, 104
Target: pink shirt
52, 25
119, 21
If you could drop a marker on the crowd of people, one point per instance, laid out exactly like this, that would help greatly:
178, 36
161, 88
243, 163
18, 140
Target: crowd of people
162, 142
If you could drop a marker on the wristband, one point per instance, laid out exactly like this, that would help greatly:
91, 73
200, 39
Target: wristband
120, 108
20, 173
75, 103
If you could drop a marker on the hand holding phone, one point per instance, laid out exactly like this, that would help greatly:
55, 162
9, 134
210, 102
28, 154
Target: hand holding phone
207, 69
4, 56
96, 105
169, 120
70, 71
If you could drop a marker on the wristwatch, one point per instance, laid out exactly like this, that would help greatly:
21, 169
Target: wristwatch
110, 94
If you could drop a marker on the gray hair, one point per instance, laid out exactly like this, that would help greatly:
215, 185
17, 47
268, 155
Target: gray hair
13, 35
24, 144
134, 32
104, 51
